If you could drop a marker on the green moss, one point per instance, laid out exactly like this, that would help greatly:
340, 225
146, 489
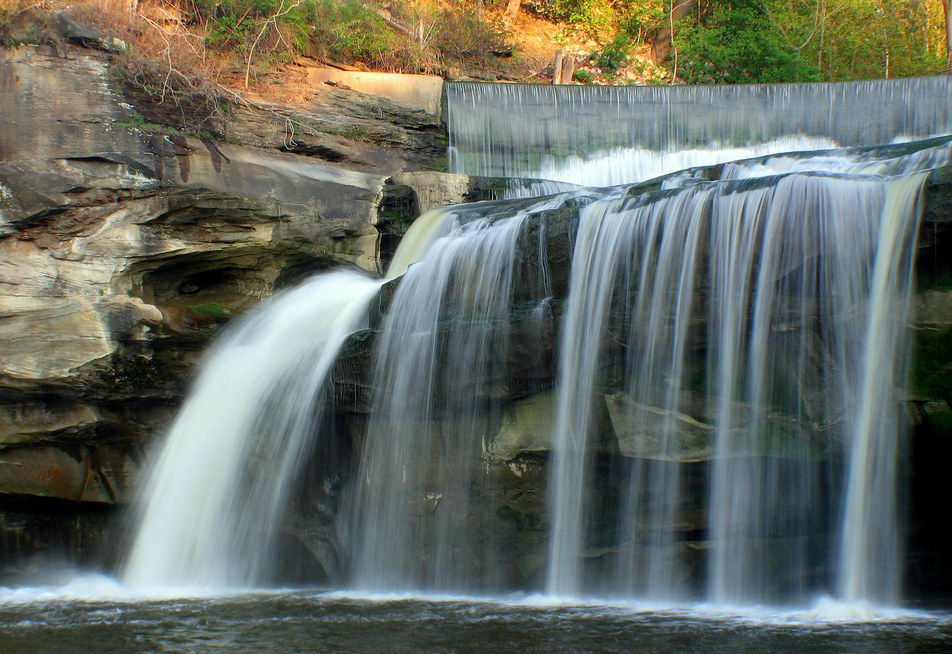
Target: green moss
138, 121
933, 275
214, 310
506, 513
348, 247
401, 218
440, 164
352, 132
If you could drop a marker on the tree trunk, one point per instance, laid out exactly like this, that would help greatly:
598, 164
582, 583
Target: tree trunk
568, 69
947, 6
662, 45
512, 7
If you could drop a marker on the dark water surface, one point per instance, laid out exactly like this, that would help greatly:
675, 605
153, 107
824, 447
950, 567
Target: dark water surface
302, 621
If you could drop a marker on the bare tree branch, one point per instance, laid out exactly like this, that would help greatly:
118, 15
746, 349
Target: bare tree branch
264, 27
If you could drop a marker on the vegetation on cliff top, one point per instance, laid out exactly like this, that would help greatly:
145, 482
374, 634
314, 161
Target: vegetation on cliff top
214, 49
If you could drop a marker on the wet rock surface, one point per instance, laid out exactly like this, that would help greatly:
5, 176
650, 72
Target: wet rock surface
517, 437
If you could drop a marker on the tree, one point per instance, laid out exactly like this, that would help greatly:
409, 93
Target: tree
947, 8
737, 41
663, 43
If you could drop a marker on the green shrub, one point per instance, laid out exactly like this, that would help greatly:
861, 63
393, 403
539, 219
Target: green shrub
643, 19
231, 24
347, 30
553, 10
593, 17
583, 76
737, 43
614, 55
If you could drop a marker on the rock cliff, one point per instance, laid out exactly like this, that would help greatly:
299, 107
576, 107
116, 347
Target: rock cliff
125, 244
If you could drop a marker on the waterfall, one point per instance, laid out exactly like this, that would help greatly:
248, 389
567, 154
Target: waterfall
793, 267
435, 372
725, 415
869, 540
553, 131
217, 491
621, 247
818, 247
805, 281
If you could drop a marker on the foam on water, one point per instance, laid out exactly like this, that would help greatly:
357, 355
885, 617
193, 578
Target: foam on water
86, 587
824, 611
631, 165
99, 598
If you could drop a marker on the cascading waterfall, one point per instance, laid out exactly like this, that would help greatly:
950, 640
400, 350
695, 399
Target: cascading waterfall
768, 490
434, 373
615, 252
520, 130
628, 165
870, 538
218, 489
799, 276
726, 411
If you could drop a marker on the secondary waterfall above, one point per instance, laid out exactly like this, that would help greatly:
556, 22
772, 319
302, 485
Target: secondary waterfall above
533, 130
683, 389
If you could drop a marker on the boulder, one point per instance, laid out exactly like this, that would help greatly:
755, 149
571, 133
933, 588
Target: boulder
641, 429
528, 425
85, 37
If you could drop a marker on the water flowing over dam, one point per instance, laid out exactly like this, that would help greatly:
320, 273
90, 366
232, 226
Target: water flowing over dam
681, 389
520, 130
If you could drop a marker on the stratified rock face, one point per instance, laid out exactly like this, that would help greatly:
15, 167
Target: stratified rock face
122, 250
119, 249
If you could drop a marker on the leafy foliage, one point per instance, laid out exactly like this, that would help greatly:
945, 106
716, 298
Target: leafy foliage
345, 30
642, 20
737, 43
604, 20
422, 36
614, 55
719, 41
802, 40
463, 36
583, 76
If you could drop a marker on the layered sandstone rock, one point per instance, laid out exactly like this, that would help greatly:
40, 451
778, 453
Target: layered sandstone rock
125, 245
